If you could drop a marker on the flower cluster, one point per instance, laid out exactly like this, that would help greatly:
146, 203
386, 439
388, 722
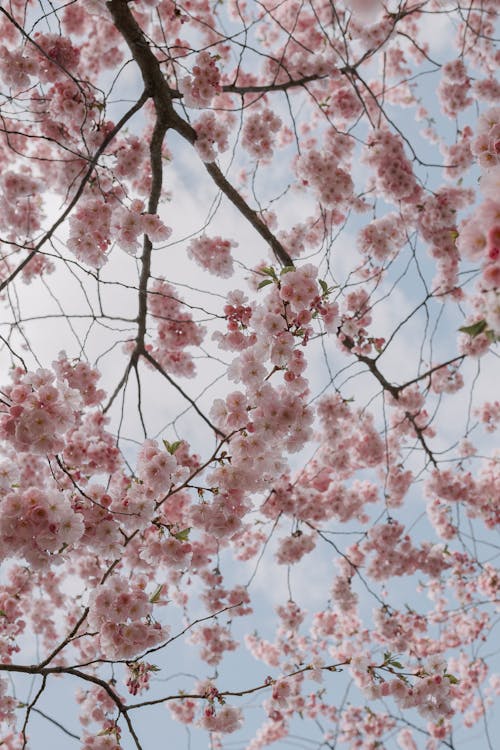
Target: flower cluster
40, 410
55, 56
16, 68
291, 549
96, 705
129, 224
259, 132
459, 156
89, 230
176, 330
214, 641
479, 237
73, 107
20, 204
332, 183
454, 89
238, 313
7, 704
395, 555
81, 377
131, 156
477, 492
211, 136
489, 414
382, 238
95, 222
353, 324
225, 720
446, 380
90, 447
121, 613
375, 35
138, 676
213, 254
199, 88
37, 525
394, 175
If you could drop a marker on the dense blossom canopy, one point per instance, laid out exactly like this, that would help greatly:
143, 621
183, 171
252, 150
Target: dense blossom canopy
250, 287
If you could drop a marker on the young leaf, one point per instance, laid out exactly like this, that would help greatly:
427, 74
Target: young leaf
475, 329
155, 596
172, 447
269, 271
182, 536
396, 664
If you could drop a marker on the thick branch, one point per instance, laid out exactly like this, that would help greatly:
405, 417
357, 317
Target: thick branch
249, 214
159, 132
46, 671
168, 118
270, 87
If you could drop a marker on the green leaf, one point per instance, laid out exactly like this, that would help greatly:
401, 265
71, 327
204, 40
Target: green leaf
324, 286
475, 329
182, 536
451, 678
106, 732
172, 447
287, 269
269, 271
155, 596
264, 283
396, 664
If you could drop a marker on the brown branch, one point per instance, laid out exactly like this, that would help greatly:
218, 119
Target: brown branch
92, 164
155, 149
56, 723
371, 364
240, 693
168, 118
237, 200
47, 671
395, 391
166, 643
270, 87
29, 709
183, 393
419, 431
427, 374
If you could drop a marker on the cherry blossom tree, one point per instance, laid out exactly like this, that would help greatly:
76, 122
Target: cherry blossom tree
250, 278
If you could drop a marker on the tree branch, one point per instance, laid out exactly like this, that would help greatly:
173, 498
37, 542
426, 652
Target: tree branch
92, 164
156, 84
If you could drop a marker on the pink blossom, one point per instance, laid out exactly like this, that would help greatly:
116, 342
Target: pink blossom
213, 254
